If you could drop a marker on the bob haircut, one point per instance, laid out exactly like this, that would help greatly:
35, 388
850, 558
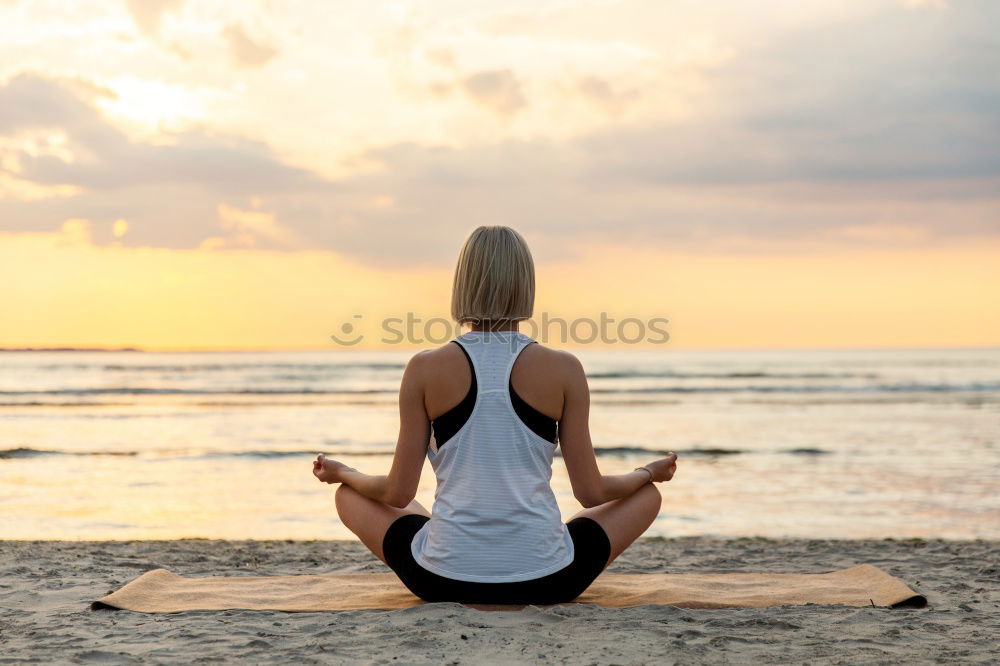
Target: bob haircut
494, 278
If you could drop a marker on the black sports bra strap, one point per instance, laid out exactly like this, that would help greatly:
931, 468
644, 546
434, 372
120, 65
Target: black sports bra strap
449, 423
542, 425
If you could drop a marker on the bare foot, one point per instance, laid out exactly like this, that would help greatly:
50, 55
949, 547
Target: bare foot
328, 470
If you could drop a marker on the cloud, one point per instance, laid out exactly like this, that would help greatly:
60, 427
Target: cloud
179, 51
901, 97
244, 51
107, 159
879, 132
169, 192
498, 90
32, 100
547, 190
603, 94
147, 14
253, 226
442, 57
874, 132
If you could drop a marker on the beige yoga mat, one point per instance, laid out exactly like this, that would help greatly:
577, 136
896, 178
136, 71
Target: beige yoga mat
162, 591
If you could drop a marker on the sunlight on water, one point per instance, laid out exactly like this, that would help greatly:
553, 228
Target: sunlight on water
821, 444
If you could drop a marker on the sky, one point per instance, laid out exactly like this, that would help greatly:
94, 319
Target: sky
255, 175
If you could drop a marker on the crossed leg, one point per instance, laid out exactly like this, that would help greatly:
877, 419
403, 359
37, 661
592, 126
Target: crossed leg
625, 519
368, 518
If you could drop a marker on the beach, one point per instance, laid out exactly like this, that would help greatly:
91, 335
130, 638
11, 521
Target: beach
47, 587
790, 462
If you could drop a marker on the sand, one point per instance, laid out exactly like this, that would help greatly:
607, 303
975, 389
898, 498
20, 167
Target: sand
46, 588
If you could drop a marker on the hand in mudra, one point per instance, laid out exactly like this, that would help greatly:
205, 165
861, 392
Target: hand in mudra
329, 471
664, 468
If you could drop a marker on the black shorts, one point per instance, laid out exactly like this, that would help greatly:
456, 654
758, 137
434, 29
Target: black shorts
591, 551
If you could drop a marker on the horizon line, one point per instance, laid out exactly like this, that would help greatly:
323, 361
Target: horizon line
251, 350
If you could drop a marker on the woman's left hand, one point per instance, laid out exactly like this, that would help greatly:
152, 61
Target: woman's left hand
329, 471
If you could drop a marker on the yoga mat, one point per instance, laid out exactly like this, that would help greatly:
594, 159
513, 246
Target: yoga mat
162, 591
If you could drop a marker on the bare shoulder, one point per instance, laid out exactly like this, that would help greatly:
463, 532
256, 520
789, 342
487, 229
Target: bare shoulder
429, 361
447, 350
555, 361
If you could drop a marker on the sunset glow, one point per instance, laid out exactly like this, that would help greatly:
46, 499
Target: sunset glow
178, 175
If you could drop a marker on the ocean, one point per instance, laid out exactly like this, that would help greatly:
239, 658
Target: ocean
831, 444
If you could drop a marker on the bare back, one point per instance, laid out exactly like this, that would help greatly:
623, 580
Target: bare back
539, 377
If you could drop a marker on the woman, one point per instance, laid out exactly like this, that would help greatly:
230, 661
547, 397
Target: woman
488, 409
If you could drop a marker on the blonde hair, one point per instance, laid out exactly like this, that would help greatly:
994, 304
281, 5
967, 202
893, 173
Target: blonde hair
494, 278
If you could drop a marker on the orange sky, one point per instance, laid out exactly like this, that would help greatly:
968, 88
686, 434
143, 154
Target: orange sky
65, 291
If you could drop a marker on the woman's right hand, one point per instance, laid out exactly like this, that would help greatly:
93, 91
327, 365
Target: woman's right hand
664, 468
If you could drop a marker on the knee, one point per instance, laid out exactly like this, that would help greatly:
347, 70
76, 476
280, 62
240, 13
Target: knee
652, 497
344, 497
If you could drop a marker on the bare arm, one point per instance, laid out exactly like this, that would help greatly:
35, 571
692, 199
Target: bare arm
399, 486
590, 487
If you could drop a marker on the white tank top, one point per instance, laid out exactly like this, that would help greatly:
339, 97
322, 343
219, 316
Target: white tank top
495, 518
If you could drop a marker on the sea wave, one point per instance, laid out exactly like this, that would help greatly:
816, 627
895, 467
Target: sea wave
601, 452
822, 388
140, 390
597, 390
226, 367
672, 374
24, 452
